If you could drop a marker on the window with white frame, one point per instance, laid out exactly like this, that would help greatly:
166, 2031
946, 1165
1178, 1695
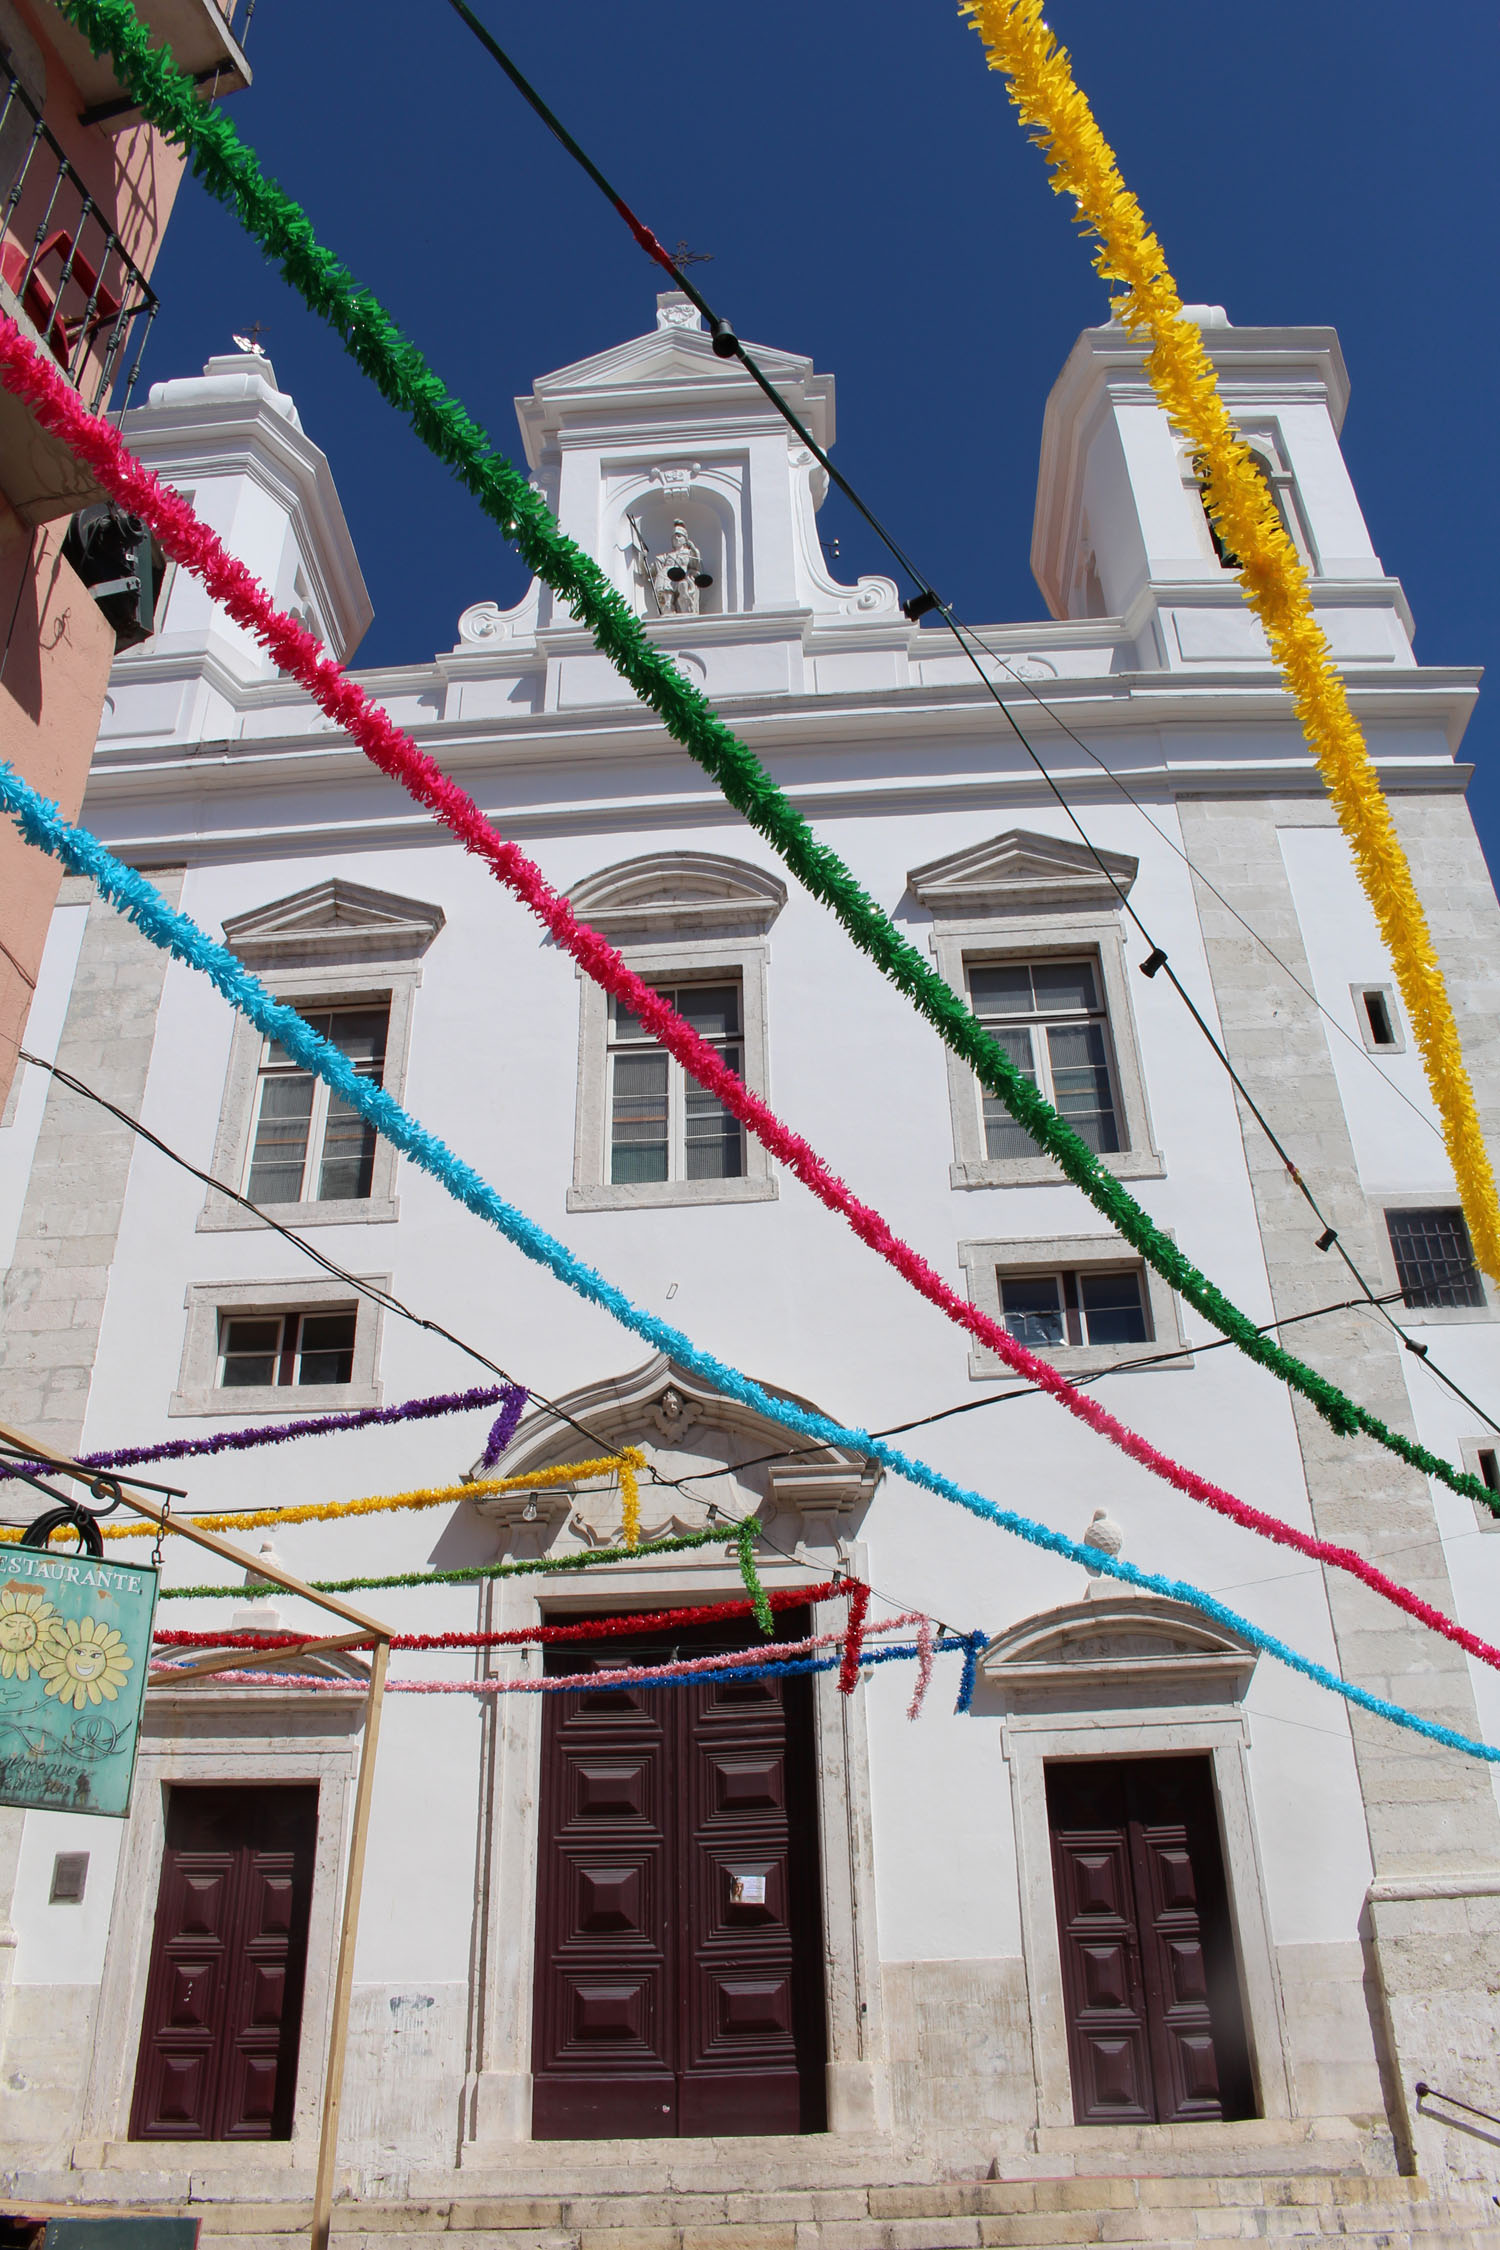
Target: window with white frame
1081, 1300
309, 1345
1029, 926
695, 927
662, 1124
1050, 1017
308, 1145
347, 958
1076, 1306
286, 1350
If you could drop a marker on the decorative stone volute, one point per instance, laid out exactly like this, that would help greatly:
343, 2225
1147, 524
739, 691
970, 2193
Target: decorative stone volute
810, 1504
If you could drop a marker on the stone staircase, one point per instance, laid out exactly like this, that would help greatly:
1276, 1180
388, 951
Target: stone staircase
1169, 2210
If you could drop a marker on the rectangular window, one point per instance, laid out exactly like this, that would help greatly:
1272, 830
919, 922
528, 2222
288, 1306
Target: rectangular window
265, 1351
1091, 1306
308, 1145
1050, 1018
1434, 1260
662, 1125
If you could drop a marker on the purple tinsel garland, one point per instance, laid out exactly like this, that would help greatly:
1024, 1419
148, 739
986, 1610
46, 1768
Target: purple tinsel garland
277, 1433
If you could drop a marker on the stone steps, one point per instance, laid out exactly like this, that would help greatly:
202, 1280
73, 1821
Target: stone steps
1167, 2211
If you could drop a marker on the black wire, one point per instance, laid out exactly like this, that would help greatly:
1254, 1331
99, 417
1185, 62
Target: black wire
727, 345
1034, 1390
372, 1290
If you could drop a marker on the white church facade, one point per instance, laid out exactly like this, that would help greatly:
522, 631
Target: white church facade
1154, 1903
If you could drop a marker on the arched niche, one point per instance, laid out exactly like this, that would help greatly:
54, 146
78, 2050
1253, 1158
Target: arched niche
710, 503
811, 1504
1126, 1675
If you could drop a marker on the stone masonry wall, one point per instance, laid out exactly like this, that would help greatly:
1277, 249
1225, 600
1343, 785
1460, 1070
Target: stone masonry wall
52, 1303
1431, 1814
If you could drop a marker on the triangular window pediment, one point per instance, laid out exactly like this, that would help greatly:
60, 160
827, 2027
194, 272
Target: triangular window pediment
679, 892
1022, 871
334, 921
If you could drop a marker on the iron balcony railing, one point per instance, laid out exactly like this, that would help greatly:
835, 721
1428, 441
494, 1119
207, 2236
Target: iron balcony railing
61, 259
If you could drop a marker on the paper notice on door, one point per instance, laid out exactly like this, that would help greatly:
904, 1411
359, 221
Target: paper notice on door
747, 1890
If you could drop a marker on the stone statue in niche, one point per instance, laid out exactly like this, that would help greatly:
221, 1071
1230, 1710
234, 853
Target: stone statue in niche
676, 578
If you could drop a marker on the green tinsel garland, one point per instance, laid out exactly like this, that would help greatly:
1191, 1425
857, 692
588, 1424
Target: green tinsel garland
394, 364
739, 1537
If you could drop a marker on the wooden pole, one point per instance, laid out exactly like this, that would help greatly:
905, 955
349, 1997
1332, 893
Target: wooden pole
246, 1660
343, 1985
261, 1567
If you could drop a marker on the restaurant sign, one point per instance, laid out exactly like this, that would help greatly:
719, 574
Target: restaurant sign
75, 1643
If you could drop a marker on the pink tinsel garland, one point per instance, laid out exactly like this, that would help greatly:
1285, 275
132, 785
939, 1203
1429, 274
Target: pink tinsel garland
623, 1675
191, 543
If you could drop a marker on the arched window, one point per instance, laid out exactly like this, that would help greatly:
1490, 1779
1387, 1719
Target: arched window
1278, 485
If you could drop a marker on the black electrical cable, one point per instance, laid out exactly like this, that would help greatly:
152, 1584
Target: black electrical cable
372, 1290
727, 345
1034, 1390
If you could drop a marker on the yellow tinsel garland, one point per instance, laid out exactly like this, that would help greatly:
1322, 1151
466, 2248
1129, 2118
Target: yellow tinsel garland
1044, 92
625, 1465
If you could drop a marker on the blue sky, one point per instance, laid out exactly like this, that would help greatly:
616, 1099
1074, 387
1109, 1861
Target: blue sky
869, 199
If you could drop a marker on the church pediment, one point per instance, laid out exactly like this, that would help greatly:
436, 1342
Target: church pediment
333, 921
679, 893
1118, 1648
666, 355
1021, 871
709, 1451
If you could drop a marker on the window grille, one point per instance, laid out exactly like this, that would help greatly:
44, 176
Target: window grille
1434, 1261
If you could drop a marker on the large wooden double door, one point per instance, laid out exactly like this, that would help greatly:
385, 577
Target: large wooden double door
1155, 2027
223, 2016
678, 1956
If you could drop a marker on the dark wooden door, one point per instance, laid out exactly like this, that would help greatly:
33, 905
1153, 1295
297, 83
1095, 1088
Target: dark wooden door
218, 2055
679, 1957
1155, 2027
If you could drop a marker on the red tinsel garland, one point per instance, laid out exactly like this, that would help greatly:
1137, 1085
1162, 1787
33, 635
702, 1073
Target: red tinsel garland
191, 543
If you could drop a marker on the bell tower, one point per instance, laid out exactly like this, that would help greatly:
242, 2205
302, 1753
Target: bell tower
658, 452
1120, 528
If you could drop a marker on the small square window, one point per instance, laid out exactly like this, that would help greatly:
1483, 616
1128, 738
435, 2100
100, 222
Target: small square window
1078, 1308
265, 1351
1434, 1259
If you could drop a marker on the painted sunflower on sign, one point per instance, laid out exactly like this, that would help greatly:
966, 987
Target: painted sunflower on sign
83, 1661
25, 1618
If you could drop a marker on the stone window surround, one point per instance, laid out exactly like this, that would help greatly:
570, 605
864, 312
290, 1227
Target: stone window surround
1484, 1518
1387, 992
197, 1391
964, 942
203, 1736
499, 2094
699, 959
1112, 1714
1050, 1253
334, 986
1385, 1278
